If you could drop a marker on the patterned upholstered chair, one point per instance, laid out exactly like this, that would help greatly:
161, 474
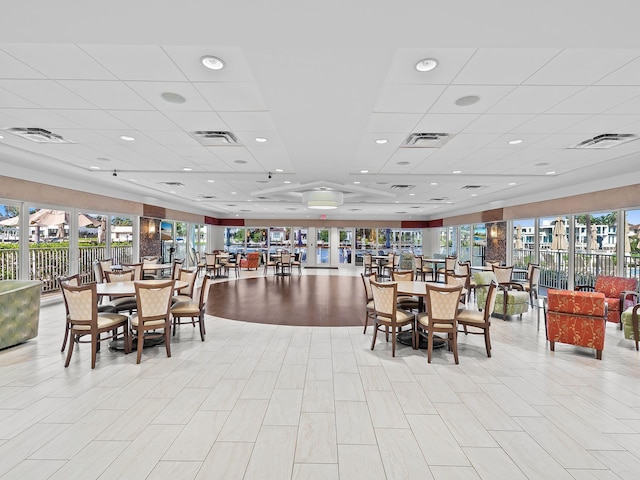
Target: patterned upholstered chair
511, 298
252, 262
577, 318
620, 294
630, 323
19, 311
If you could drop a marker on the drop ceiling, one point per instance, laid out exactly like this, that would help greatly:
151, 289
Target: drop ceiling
322, 83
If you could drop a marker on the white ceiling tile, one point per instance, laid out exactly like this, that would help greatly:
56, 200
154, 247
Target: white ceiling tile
503, 66
144, 120
230, 153
582, 66
135, 62
471, 140
497, 123
13, 68
528, 141
110, 95
84, 136
598, 124
451, 123
193, 121
547, 123
630, 107
414, 156
393, 122
11, 100
489, 95
248, 139
248, 121
560, 140
40, 118
187, 58
173, 138
399, 98
152, 91
533, 99
93, 119
59, 61
628, 74
232, 97
45, 93
596, 99
450, 61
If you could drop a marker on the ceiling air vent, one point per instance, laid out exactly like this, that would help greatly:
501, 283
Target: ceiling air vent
472, 187
426, 140
439, 199
172, 184
208, 197
210, 138
401, 187
39, 135
606, 140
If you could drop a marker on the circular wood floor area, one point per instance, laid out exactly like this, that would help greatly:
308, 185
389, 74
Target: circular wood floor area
303, 300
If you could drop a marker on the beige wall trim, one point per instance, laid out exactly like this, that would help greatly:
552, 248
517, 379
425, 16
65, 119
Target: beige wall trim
304, 223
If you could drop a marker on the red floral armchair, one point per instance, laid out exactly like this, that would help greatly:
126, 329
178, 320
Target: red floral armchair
577, 318
620, 294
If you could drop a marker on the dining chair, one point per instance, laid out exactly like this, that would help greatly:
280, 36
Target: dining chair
192, 309
175, 268
153, 274
121, 303
459, 279
479, 323
387, 313
85, 320
284, 265
408, 302
369, 265
449, 267
105, 264
153, 313
503, 274
236, 264
440, 317
137, 270
74, 281
370, 311
388, 267
532, 283
212, 265
464, 268
268, 263
186, 294
422, 268
295, 262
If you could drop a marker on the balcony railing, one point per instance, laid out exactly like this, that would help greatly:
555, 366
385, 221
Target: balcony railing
47, 264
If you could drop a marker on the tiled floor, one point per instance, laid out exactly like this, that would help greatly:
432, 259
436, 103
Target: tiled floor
274, 402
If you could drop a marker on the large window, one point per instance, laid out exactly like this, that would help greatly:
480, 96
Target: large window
9, 242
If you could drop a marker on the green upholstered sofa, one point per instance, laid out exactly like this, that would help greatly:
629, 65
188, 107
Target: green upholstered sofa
19, 311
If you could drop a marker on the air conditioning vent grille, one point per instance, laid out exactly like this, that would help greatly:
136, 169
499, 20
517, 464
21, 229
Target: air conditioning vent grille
426, 140
39, 135
606, 140
401, 187
212, 138
472, 187
172, 184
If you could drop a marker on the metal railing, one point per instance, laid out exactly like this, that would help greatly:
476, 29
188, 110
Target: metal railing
47, 264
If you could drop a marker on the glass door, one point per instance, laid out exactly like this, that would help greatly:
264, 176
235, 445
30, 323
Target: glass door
300, 244
322, 246
346, 243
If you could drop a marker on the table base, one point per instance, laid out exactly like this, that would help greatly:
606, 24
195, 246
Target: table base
148, 342
405, 339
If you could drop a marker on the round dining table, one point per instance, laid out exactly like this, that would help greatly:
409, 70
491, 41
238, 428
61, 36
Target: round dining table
119, 289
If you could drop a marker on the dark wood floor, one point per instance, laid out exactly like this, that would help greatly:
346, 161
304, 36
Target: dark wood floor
308, 300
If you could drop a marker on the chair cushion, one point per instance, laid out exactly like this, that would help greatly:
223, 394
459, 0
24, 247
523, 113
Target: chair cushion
180, 298
156, 323
627, 322
105, 320
612, 287
471, 316
186, 308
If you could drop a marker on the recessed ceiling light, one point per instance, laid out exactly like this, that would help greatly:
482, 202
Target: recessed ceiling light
426, 64
550, 173
93, 167
172, 191
511, 184
356, 183
381, 141
279, 170
1, 136
212, 63
133, 180
402, 163
187, 169
287, 181
127, 138
364, 171
210, 181
457, 171
240, 162
433, 183
411, 194
234, 193
541, 164
474, 194
515, 142
468, 100
261, 139
172, 97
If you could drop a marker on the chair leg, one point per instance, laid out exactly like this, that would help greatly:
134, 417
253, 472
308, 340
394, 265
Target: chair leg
140, 344
201, 324
429, 346
393, 341
66, 336
552, 345
454, 344
366, 321
127, 340
375, 335
599, 354
72, 344
94, 350
167, 339
487, 342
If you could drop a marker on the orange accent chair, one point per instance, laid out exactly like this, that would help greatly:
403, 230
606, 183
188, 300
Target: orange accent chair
620, 294
252, 262
577, 318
